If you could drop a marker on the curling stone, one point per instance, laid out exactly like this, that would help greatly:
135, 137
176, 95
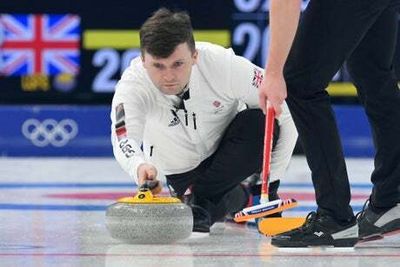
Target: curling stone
148, 219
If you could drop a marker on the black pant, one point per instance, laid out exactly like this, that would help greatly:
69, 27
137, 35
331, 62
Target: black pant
363, 32
215, 182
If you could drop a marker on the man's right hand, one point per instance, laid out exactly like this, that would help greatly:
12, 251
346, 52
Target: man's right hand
273, 89
147, 172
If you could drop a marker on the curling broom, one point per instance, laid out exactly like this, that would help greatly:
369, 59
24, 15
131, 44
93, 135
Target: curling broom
266, 207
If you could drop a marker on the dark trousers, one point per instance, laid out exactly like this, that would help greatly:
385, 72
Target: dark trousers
215, 182
363, 32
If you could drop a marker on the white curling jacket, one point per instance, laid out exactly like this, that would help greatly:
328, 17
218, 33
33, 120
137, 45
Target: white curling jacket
146, 126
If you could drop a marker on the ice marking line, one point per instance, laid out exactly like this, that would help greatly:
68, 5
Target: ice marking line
100, 196
198, 255
53, 207
132, 185
115, 195
64, 185
19, 247
307, 185
83, 207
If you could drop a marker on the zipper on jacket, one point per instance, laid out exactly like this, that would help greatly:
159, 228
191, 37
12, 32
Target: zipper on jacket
194, 121
151, 151
186, 117
174, 113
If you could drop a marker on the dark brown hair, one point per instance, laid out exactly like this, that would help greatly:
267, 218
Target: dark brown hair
164, 31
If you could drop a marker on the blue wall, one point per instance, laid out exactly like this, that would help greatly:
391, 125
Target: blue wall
85, 131
55, 131
354, 130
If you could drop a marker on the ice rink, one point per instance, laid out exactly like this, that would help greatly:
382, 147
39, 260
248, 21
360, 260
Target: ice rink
53, 214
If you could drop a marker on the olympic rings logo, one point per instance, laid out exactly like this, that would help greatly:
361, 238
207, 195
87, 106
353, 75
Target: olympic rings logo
49, 131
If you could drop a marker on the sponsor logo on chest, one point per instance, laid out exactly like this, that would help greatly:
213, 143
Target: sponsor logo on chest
217, 106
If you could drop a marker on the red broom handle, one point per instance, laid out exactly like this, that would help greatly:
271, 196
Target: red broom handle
268, 136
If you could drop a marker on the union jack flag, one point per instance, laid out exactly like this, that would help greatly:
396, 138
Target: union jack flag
39, 44
257, 78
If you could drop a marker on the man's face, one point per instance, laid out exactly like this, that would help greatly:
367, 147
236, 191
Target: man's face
170, 75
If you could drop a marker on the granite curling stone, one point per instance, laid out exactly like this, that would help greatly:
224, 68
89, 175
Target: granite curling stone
148, 219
